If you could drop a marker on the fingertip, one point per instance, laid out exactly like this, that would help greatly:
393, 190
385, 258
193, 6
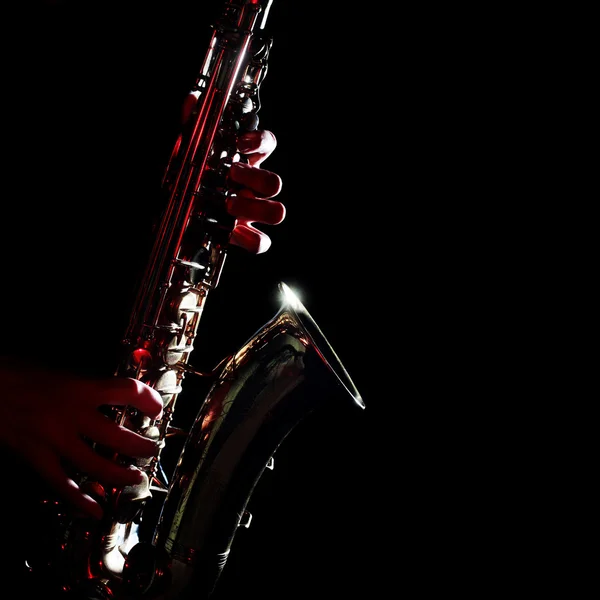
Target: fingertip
259, 141
282, 213
91, 508
149, 400
264, 243
158, 412
189, 104
250, 239
81, 501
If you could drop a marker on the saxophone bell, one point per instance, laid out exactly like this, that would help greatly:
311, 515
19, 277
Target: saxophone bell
284, 372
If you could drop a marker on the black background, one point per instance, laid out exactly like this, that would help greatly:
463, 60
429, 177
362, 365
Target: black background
362, 501
327, 516
379, 128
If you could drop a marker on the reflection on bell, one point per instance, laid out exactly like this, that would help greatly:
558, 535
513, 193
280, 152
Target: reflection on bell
292, 303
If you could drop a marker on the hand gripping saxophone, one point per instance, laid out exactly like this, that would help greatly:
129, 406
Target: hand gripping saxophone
170, 539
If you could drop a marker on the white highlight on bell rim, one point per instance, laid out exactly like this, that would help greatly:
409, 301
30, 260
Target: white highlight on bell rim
291, 297
266, 14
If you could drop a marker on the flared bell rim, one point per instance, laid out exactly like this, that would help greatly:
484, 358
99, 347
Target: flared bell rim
294, 305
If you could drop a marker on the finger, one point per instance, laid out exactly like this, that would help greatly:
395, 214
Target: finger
268, 212
105, 470
257, 145
105, 431
265, 184
123, 391
249, 238
48, 465
189, 105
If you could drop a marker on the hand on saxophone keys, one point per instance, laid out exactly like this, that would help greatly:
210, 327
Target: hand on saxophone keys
256, 187
253, 204
55, 419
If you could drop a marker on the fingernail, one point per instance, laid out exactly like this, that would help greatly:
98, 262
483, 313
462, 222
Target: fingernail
137, 476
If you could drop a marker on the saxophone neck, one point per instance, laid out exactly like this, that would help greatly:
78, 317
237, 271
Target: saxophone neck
193, 234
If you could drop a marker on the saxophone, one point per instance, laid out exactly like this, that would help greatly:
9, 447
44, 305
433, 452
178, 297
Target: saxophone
169, 537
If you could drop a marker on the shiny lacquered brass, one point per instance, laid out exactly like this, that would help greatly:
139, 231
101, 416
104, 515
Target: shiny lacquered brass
169, 537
